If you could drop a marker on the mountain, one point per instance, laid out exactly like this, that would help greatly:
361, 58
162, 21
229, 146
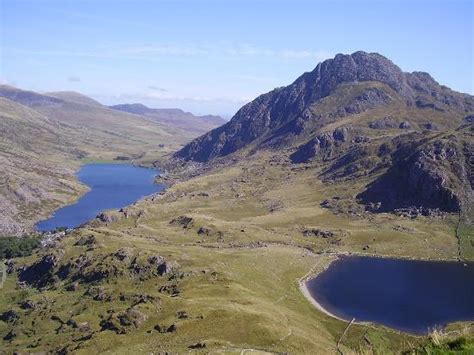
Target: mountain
73, 96
174, 117
116, 126
360, 115
365, 81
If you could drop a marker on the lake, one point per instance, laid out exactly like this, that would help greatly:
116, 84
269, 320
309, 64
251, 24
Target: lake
112, 186
408, 295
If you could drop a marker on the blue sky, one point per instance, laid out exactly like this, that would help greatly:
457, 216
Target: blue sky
210, 56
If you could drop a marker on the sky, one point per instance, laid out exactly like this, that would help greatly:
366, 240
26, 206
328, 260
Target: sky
213, 56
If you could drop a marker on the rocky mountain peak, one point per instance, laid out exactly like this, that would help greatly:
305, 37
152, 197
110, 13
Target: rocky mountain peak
357, 67
274, 117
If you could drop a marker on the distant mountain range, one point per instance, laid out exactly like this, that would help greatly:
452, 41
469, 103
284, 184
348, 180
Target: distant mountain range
174, 117
360, 116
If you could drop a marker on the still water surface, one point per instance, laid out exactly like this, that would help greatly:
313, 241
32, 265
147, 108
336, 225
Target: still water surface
408, 295
111, 186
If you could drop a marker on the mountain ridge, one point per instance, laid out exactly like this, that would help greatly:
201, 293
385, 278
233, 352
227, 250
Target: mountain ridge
358, 116
174, 116
73, 96
290, 104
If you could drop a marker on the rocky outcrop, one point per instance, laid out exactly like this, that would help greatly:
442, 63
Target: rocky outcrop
124, 322
9, 316
384, 123
41, 273
324, 146
435, 177
316, 232
183, 221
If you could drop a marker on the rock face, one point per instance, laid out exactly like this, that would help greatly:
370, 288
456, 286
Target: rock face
324, 145
41, 273
435, 176
287, 110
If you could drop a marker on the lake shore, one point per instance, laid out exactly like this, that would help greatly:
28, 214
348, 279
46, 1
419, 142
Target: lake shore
304, 290
314, 272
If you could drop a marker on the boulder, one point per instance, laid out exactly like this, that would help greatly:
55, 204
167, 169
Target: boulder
172, 290
98, 294
341, 134
182, 315
9, 316
204, 231
384, 123
28, 304
123, 254
431, 126
318, 233
404, 125
182, 221
132, 317
199, 345
73, 286
89, 240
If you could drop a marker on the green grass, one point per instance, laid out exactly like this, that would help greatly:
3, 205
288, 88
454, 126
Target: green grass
465, 232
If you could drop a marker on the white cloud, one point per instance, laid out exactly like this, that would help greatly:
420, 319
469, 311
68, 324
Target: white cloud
156, 51
224, 50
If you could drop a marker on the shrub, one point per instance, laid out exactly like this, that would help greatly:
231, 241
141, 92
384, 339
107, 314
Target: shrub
13, 247
457, 344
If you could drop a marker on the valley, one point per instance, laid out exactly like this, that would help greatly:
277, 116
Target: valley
45, 139
355, 158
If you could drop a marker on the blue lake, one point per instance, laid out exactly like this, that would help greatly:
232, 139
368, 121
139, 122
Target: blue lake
112, 186
408, 295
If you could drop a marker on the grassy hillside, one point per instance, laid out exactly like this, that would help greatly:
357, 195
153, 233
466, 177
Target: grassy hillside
234, 245
73, 96
37, 167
